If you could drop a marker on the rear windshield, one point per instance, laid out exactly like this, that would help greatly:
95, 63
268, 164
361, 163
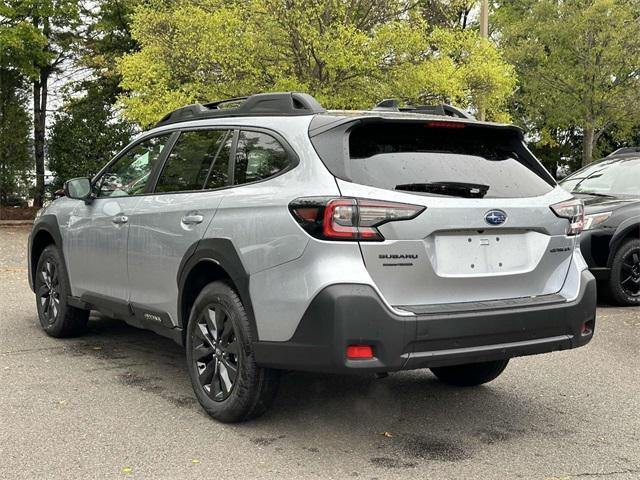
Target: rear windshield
435, 158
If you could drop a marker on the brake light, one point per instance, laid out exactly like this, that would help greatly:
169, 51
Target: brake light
572, 210
444, 125
349, 219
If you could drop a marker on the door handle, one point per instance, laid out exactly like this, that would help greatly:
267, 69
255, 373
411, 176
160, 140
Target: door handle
192, 219
120, 219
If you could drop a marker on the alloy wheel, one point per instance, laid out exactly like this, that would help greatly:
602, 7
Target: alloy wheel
216, 352
50, 292
630, 273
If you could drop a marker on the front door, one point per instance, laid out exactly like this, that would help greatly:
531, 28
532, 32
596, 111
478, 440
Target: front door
96, 247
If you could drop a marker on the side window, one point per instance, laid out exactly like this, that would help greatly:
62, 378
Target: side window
258, 156
190, 160
130, 173
219, 171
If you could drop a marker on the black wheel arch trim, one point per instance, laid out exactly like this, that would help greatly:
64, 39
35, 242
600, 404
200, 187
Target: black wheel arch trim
48, 224
621, 234
222, 253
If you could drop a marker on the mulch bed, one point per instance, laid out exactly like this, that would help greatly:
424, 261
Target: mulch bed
15, 213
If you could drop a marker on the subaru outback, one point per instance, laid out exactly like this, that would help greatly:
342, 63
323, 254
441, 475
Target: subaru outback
267, 234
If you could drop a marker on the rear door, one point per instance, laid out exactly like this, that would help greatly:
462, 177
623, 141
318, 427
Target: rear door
487, 232
189, 188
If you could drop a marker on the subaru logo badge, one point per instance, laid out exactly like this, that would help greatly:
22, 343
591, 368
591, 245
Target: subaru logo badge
495, 217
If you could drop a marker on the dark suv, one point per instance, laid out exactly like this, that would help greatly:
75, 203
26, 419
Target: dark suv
610, 241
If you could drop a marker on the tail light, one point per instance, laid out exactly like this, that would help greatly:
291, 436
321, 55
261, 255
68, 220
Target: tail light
350, 219
572, 210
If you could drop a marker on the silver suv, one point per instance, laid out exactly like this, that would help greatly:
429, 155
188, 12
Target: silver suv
274, 235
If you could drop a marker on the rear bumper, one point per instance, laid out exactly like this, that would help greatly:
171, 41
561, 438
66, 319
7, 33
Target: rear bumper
347, 314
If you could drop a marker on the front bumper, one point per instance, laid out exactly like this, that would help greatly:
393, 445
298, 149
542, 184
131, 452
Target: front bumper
348, 314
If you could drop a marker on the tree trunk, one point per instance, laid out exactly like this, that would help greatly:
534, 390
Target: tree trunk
40, 92
587, 145
39, 123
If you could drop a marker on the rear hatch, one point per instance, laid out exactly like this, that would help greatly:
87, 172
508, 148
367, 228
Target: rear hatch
487, 232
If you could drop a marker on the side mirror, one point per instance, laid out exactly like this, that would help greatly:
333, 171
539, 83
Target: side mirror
79, 189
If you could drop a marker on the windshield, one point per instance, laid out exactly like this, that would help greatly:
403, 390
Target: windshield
619, 177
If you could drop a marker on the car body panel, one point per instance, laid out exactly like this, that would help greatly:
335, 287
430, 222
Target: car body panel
158, 241
96, 247
455, 256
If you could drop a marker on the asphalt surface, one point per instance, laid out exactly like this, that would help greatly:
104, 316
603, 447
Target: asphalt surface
117, 403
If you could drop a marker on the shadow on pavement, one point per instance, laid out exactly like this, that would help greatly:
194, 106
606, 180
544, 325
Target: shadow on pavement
424, 419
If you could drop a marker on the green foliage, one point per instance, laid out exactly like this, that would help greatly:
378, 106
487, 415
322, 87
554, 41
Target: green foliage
36, 34
107, 38
347, 54
15, 158
449, 13
41, 35
85, 134
577, 62
21, 44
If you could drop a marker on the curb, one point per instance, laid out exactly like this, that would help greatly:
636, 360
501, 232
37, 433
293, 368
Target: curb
15, 223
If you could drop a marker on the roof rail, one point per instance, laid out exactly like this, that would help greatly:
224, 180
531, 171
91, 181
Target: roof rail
624, 150
392, 105
282, 103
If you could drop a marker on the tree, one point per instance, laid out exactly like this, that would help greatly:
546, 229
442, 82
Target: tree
88, 129
449, 13
85, 134
347, 53
577, 63
49, 28
15, 158
108, 37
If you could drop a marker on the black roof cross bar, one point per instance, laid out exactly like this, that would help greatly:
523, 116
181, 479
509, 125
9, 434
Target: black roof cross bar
262, 104
392, 105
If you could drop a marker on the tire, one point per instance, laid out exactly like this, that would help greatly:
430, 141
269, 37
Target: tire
57, 318
470, 374
224, 375
623, 286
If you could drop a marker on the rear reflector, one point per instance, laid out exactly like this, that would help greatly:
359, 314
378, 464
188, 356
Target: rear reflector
587, 327
359, 352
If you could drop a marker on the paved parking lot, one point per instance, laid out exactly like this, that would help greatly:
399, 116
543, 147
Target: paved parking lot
117, 403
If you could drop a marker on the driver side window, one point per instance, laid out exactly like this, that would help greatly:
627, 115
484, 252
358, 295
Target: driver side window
130, 173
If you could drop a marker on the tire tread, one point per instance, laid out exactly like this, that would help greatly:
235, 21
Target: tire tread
73, 320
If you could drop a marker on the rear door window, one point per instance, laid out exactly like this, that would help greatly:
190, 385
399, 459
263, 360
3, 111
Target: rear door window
444, 158
194, 157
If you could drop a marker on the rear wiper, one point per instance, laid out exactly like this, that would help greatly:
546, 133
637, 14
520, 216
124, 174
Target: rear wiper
454, 189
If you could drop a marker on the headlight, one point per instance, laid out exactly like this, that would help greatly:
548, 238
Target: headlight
595, 219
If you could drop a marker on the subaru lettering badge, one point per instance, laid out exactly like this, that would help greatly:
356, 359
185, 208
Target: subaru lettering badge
495, 217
